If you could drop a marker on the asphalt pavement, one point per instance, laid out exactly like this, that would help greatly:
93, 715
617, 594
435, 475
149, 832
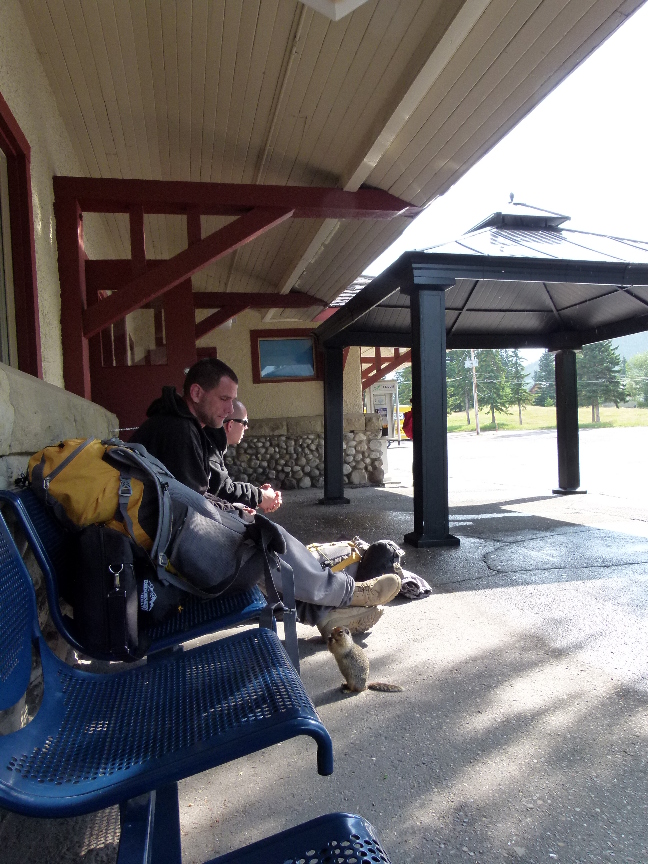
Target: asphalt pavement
521, 731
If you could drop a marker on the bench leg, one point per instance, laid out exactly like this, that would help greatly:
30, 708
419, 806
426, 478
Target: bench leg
166, 828
136, 817
150, 828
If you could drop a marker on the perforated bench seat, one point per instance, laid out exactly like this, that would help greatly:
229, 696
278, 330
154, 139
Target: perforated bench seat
338, 838
49, 542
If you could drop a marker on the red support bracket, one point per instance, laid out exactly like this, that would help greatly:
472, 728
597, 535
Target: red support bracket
182, 266
216, 319
392, 363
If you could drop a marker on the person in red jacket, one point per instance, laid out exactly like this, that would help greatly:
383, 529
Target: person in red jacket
407, 423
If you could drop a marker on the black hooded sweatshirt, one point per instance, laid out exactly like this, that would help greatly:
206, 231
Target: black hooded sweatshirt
192, 453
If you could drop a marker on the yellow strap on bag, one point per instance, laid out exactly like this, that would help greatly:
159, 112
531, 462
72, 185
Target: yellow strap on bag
337, 556
87, 487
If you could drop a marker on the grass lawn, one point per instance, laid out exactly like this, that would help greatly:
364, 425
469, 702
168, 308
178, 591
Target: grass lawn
535, 417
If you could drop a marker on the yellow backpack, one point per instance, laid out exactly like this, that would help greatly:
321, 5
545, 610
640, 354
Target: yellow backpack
84, 489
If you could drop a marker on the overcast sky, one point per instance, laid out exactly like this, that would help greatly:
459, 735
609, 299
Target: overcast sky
582, 152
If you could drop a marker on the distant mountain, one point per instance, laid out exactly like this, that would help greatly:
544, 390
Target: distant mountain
628, 346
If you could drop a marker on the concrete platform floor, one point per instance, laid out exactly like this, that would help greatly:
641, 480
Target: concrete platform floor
521, 733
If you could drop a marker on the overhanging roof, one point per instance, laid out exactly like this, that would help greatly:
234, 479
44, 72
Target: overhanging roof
508, 287
401, 96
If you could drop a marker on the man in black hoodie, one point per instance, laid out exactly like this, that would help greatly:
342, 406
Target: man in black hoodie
186, 434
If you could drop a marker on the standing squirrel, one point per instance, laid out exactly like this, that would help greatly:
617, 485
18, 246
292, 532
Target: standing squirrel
353, 663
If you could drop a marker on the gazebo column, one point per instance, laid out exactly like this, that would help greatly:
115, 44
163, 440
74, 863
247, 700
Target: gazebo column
333, 426
429, 400
567, 423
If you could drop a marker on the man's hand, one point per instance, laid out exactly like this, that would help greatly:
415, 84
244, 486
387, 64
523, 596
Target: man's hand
270, 499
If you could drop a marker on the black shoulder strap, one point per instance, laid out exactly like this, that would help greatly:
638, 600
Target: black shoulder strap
266, 538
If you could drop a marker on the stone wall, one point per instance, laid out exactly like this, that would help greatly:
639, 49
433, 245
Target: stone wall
289, 453
34, 414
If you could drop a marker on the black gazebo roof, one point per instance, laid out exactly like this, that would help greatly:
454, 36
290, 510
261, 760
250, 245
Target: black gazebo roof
518, 279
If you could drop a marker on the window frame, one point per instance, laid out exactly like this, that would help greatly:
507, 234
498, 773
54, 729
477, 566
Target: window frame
294, 333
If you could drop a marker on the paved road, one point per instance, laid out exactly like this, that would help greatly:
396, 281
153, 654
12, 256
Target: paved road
573, 570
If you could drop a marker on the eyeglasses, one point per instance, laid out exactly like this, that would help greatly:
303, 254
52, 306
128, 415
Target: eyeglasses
243, 423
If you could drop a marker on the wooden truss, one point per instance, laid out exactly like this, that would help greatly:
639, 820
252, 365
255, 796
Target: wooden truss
257, 208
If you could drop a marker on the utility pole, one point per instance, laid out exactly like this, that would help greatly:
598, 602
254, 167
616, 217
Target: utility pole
473, 363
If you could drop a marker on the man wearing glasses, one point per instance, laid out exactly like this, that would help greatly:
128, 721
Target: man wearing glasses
220, 484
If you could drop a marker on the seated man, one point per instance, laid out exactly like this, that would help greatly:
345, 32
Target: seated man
235, 426
180, 432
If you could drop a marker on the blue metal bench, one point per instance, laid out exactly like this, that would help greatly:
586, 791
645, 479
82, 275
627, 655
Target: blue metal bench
104, 739
49, 543
338, 837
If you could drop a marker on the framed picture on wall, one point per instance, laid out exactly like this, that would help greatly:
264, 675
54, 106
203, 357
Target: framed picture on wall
284, 355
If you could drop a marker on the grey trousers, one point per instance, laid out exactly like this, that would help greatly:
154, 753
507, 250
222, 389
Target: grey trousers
317, 590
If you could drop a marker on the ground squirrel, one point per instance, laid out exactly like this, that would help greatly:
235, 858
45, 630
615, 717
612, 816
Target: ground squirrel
353, 663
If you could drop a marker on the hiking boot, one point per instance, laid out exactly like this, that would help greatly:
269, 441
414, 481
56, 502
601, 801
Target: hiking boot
376, 592
355, 620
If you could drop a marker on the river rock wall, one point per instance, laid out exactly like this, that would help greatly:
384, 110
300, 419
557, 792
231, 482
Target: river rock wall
289, 453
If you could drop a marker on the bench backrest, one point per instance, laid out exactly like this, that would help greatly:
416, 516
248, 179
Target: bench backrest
18, 621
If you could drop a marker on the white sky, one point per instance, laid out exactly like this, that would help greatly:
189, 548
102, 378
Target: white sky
582, 152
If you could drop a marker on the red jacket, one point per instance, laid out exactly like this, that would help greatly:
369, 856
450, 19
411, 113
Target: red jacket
407, 424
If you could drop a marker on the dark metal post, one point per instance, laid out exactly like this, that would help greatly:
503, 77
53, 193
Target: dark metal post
333, 426
567, 423
430, 463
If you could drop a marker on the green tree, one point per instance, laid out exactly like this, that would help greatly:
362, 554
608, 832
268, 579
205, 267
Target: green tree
598, 367
517, 381
544, 381
459, 382
404, 378
637, 378
492, 385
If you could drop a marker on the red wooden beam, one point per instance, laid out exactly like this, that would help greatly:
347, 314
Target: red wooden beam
138, 241
112, 195
154, 282
219, 299
217, 318
71, 261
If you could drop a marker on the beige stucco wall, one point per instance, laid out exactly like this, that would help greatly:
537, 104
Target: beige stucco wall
34, 414
271, 400
26, 90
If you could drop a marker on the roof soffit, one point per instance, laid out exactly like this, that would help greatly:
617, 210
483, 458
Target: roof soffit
402, 96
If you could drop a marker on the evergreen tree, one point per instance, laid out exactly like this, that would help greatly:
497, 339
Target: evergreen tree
517, 381
459, 382
544, 380
404, 378
637, 374
492, 385
599, 376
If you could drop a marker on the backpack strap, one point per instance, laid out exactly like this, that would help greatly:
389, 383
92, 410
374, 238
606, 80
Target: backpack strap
267, 538
47, 480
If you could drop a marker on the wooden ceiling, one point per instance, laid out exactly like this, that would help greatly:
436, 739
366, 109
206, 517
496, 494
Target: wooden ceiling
404, 96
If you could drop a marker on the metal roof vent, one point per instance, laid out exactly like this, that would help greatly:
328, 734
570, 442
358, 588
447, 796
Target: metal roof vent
334, 9
524, 216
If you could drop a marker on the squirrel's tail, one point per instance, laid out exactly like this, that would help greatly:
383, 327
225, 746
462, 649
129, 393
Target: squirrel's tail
384, 688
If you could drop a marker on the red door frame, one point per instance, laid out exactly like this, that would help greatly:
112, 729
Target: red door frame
23, 254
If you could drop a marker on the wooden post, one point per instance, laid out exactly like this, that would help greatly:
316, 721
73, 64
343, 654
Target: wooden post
71, 258
567, 424
333, 427
430, 446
